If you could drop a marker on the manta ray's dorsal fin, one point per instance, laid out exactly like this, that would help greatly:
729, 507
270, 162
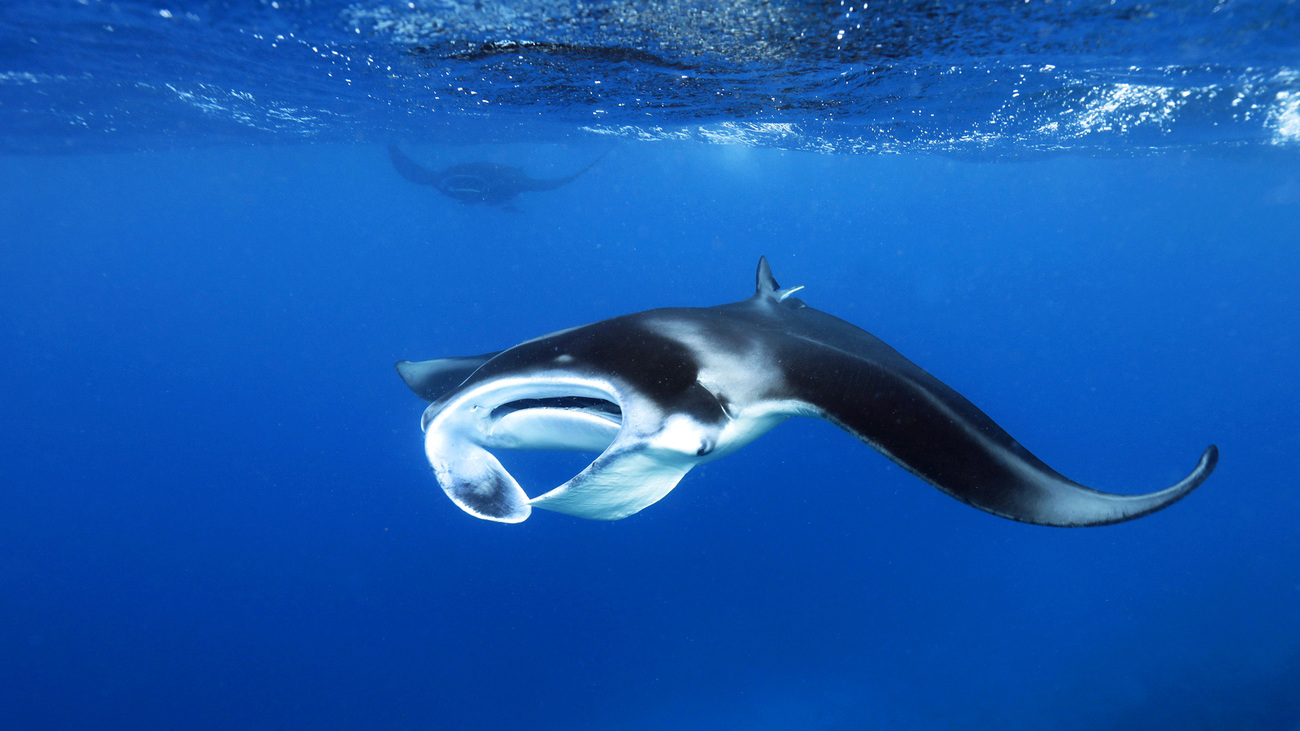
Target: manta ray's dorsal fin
767, 288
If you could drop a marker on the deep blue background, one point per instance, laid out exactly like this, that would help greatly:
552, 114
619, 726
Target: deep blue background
216, 512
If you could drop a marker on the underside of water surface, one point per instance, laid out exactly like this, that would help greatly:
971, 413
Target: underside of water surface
986, 79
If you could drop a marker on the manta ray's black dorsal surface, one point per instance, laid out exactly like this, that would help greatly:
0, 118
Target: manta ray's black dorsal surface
478, 182
660, 391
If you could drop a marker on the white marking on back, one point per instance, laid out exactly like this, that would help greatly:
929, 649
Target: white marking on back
744, 377
748, 379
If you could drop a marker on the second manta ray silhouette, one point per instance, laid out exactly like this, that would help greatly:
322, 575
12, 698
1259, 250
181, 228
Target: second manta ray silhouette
478, 182
661, 391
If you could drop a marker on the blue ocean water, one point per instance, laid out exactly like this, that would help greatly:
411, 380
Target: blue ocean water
216, 509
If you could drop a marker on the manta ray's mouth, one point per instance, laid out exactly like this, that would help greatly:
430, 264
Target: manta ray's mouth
604, 407
545, 441
549, 419
467, 436
464, 184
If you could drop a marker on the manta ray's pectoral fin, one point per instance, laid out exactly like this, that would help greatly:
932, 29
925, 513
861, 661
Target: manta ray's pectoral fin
431, 379
1040, 495
410, 169
540, 184
939, 436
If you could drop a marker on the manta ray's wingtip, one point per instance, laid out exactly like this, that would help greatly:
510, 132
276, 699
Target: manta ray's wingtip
1098, 508
1200, 473
1204, 467
1209, 459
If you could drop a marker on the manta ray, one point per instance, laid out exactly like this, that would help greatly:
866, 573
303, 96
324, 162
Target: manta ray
659, 392
478, 182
